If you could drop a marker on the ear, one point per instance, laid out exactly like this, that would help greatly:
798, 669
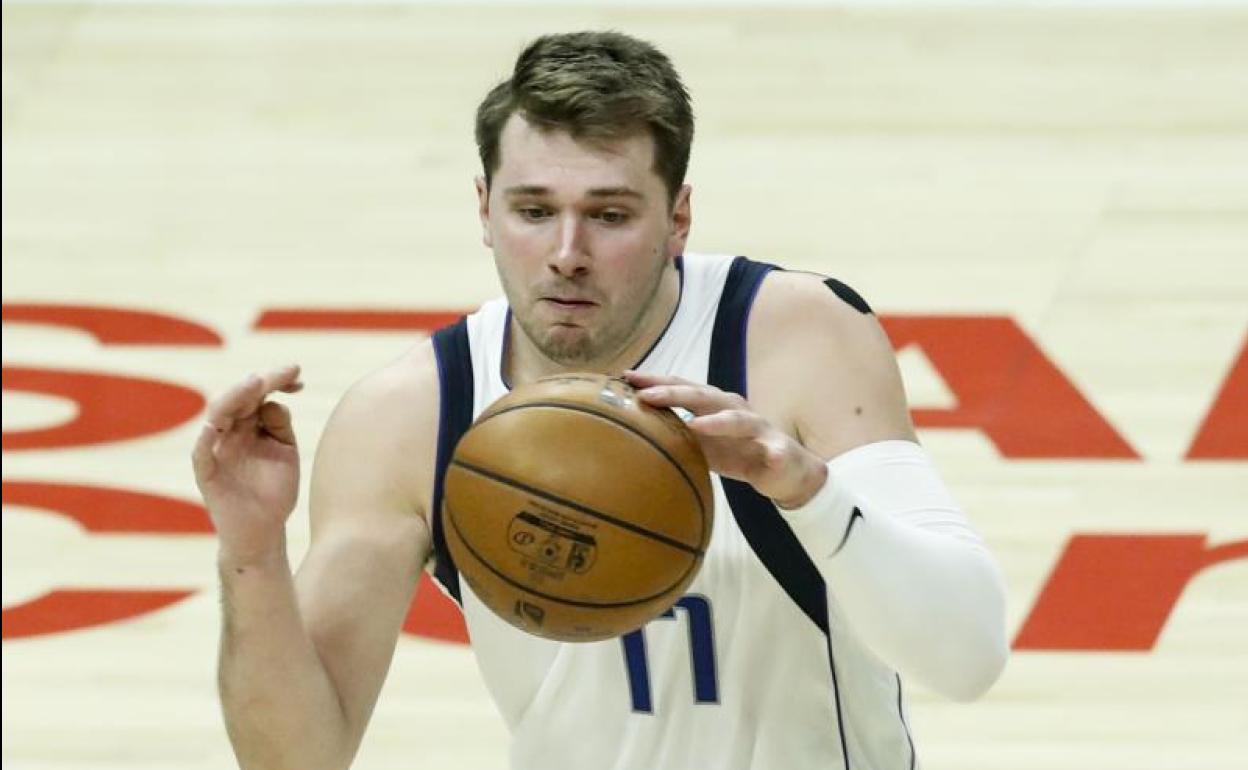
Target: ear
483, 210
682, 220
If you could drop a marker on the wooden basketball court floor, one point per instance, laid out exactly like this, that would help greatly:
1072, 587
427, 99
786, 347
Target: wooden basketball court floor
1048, 206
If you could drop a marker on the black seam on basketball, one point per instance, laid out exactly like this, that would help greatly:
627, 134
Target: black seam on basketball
501, 479
693, 564
616, 421
697, 495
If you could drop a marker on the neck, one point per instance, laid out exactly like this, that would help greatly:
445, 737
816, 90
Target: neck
524, 362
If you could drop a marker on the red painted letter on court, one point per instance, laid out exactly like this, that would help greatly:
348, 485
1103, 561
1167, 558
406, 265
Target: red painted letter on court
1115, 592
1007, 388
98, 509
1224, 433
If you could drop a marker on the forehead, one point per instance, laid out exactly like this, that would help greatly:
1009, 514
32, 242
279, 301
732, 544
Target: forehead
529, 156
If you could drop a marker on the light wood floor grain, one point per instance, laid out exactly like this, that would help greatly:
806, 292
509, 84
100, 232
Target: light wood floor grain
1082, 172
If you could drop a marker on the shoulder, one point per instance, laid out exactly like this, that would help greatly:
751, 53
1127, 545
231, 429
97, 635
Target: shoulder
381, 439
797, 314
795, 302
820, 357
405, 385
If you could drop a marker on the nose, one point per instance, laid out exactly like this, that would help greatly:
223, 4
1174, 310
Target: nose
571, 257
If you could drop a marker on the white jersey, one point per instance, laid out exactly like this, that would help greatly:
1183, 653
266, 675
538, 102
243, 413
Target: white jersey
752, 668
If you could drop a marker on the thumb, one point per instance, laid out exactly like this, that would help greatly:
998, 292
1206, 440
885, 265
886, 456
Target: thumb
203, 458
275, 420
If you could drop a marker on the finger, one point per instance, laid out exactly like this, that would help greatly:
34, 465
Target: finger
245, 398
283, 378
642, 380
729, 423
275, 421
699, 399
237, 402
203, 460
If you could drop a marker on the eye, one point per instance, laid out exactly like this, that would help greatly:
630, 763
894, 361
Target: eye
612, 216
533, 213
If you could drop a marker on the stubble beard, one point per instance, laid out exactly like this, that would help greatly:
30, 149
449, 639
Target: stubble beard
579, 346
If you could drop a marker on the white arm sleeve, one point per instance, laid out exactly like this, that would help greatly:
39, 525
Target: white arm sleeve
911, 577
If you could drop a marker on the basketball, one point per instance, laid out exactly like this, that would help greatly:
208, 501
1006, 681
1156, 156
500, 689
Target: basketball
574, 511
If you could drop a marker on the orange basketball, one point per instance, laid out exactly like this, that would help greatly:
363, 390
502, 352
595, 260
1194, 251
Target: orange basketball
576, 512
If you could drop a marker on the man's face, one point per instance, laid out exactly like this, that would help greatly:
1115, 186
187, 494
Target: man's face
581, 236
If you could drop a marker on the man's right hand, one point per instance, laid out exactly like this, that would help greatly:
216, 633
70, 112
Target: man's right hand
247, 467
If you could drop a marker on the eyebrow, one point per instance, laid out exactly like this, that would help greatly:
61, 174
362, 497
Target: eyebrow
597, 192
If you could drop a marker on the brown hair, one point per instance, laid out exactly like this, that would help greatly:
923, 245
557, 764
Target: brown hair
597, 86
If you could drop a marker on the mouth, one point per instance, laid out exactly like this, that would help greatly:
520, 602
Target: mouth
567, 303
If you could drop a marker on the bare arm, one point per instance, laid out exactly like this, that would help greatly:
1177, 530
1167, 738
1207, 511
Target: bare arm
827, 432
303, 657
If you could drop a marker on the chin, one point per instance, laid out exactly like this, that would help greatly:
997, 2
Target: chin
570, 354
569, 346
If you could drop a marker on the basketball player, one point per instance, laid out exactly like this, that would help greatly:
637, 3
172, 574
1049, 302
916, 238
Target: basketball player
840, 567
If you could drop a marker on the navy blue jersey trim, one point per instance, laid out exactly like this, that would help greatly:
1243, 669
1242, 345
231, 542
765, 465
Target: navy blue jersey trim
757, 517
454, 355
778, 548
727, 364
760, 522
